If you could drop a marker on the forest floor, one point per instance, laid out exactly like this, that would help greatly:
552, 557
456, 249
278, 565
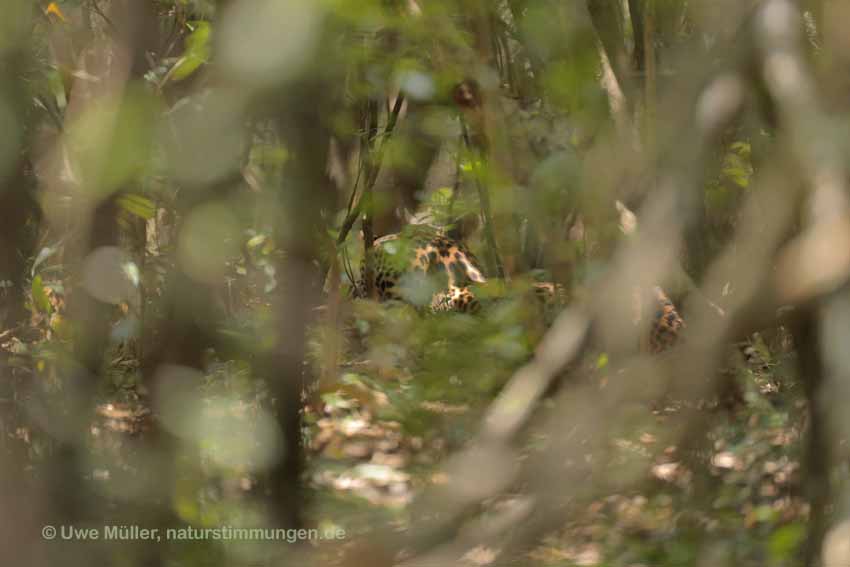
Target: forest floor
745, 505
377, 441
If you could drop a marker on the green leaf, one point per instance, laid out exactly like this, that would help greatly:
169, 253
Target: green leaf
197, 53
741, 148
471, 166
43, 255
184, 67
736, 165
257, 240
56, 86
602, 361
785, 541
137, 205
738, 176
39, 296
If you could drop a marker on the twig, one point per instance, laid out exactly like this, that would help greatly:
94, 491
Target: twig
367, 149
486, 213
354, 213
456, 184
649, 100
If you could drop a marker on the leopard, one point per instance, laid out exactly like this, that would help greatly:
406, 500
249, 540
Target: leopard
431, 252
666, 325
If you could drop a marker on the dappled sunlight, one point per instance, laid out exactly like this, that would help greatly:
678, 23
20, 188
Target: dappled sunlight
444, 282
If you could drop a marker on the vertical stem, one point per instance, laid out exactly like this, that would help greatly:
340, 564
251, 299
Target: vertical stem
371, 175
817, 450
494, 258
23, 500
331, 339
636, 15
306, 194
368, 158
650, 81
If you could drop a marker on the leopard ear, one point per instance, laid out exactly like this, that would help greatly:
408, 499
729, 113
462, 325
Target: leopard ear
406, 215
421, 217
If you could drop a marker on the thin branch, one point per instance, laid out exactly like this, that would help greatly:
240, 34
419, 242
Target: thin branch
649, 100
636, 16
372, 175
486, 213
367, 150
606, 17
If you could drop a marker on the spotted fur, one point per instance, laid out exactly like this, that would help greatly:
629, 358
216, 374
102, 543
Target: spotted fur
432, 253
667, 325
550, 293
457, 299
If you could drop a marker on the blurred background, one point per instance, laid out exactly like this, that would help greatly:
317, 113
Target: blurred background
191, 331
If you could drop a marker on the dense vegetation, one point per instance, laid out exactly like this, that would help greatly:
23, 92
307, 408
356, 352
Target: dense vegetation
194, 364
